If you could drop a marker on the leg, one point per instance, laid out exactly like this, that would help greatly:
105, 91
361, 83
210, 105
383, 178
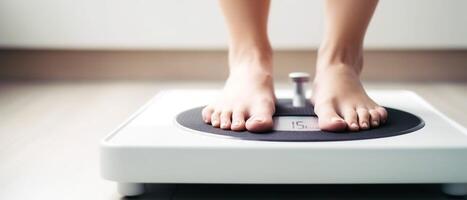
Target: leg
338, 95
130, 189
247, 100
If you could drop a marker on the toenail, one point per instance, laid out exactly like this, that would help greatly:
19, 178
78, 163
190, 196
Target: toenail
236, 123
354, 125
364, 125
224, 124
375, 123
258, 119
335, 119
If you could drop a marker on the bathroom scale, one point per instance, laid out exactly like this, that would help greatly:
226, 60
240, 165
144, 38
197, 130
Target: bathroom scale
166, 142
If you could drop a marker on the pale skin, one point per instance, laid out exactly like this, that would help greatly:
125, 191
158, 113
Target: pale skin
340, 101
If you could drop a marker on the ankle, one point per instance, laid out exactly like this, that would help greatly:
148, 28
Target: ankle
251, 52
251, 57
340, 56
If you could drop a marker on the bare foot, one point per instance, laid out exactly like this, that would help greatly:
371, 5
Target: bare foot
340, 100
247, 101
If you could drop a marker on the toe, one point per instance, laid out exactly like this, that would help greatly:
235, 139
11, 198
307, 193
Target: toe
383, 114
238, 121
206, 113
374, 116
259, 122
215, 119
363, 118
328, 119
260, 116
225, 118
351, 118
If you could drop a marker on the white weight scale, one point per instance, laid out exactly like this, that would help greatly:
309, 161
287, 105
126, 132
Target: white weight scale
153, 147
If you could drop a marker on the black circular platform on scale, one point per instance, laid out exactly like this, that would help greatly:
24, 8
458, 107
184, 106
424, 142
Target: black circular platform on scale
398, 123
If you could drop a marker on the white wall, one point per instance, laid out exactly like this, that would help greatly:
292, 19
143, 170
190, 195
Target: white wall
186, 24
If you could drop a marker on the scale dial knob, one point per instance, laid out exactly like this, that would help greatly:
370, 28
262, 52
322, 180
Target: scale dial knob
299, 79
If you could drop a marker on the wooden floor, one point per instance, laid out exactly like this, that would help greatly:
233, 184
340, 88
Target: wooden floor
50, 132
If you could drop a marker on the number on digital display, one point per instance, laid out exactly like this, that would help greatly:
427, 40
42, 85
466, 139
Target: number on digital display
298, 125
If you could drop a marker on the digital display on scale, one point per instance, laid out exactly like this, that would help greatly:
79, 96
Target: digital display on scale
296, 123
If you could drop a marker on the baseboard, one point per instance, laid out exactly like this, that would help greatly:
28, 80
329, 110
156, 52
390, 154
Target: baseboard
390, 65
